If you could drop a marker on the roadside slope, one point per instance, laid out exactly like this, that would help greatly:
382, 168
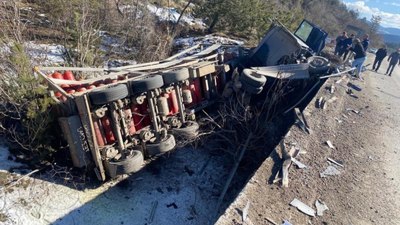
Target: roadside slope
365, 142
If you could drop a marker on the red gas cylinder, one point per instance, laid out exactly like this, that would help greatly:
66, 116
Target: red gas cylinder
197, 90
57, 75
137, 119
89, 87
131, 123
173, 102
99, 137
105, 121
81, 89
68, 75
167, 96
70, 91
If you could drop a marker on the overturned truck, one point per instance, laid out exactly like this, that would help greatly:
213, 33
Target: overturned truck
114, 122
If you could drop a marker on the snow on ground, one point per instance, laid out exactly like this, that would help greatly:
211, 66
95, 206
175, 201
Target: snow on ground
6, 159
206, 40
182, 188
171, 14
45, 54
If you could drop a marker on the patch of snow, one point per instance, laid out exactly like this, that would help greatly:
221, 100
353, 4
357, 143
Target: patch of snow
184, 187
206, 40
42, 15
45, 54
6, 159
171, 14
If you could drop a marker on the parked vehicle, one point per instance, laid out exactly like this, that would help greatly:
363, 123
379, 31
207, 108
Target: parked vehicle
116, 121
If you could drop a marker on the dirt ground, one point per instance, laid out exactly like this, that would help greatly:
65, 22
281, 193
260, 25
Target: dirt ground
366, 143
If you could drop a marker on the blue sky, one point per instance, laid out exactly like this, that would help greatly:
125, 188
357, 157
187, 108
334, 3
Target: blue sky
389, 10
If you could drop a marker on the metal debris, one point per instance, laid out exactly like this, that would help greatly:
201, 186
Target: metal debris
335, 162
303, 207
321, 207
329, 143
332, 89
330, 171
285, 222
301, 121
298, 164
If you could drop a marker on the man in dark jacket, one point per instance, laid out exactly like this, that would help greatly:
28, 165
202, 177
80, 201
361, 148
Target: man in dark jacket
346, 43
393, 59
365, 42
359, 57
339, 45
380, 55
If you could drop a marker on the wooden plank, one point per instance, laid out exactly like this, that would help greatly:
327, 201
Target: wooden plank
87, 123
51, 83
83, 69
183, 52
205, 70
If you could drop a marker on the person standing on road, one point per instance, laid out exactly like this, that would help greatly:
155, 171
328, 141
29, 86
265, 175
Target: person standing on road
359, 57
393, 59
339, 41
346, 43
365, 42
380, 55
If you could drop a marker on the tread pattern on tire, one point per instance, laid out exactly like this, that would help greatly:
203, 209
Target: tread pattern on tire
175, 76
252, 79
110, 94
190, 131
318, 64
163, 146
146, 84
251, 89
131, 164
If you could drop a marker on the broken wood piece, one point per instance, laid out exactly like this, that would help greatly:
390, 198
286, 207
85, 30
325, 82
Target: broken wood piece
285, 172
299, 164
330, 171
303, 207
321, 207
338, 120
329, 143
320, 101
332, 88
335, 162
245, 211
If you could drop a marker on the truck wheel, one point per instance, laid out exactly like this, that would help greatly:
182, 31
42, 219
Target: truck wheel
175, 76
132, 163
252, 78
251, 89
110, 94
188, 131
147, 84
165, 145
318, 65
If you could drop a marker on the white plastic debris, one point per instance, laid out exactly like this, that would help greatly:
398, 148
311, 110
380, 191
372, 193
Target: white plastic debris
321, 207
245, 211
299, 164
329, 143
303, 207
330, 171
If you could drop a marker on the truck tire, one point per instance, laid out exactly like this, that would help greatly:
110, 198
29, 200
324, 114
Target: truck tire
132, 163
252, 78
110, 94
175, 76
251, 89
146, 84
163, 146
188, 131
318, 65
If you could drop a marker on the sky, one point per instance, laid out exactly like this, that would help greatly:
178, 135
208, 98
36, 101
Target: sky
388, 10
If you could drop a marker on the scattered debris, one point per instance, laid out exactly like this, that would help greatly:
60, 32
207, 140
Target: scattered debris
298, 164
350, 92
270, 221
353, 86
353, 110
329, 143
321, 207
285, 222
245, 212
332, 89
153, 211
303, 207
320, 102
335, 162
301, 121
338, 120
344, 116
330, 171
